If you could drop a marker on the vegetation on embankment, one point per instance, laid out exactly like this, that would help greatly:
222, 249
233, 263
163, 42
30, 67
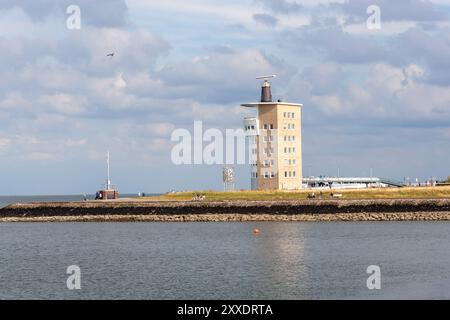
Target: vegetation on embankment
403, 204
237, 210
353, 194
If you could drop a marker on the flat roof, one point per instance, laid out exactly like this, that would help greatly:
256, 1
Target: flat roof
257, 104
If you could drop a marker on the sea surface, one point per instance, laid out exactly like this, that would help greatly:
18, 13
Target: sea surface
225, 260
7, 200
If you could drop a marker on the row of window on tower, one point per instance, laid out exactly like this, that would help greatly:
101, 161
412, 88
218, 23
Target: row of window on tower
290, 162
265, 175
267, 163
289, 138
272, 138
289, 150
270, 175
270, 126
289, 174
289, 115
290, 126
268, 151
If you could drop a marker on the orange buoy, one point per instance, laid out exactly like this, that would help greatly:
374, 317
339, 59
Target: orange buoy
256, 231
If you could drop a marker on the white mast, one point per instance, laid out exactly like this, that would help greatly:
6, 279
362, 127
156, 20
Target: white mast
108, 181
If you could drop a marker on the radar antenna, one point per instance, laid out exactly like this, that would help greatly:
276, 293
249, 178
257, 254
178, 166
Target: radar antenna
266, 77
266, 92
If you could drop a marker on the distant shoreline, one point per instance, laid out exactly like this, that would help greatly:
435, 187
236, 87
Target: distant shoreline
230, 211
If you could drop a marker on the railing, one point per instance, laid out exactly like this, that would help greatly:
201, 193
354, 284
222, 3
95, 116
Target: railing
391, 182
111, 187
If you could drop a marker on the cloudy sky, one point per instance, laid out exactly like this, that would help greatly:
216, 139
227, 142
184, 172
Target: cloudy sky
372, 98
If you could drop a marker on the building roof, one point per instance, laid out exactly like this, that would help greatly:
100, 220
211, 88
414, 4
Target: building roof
257, 104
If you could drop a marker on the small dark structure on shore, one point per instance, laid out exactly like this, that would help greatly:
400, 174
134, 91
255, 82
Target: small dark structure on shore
107, 195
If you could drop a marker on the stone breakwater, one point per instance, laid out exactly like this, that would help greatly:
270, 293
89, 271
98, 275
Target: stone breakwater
226, 211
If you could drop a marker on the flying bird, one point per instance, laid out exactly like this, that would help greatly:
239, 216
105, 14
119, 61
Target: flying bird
110, 54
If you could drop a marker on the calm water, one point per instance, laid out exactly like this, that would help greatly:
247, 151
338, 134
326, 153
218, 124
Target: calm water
6, 200
225, 260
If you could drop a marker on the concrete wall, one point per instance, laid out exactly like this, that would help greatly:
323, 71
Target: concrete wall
290, 182
287, 166
267, 115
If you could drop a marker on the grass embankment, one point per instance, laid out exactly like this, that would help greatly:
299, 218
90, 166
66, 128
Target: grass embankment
381, 193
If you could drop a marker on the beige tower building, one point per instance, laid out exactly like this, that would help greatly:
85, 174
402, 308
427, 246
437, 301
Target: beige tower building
275, 141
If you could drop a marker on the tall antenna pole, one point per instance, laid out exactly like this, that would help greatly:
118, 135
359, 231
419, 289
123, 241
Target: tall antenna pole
108, 182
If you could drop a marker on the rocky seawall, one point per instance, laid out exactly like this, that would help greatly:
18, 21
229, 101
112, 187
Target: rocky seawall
210, 211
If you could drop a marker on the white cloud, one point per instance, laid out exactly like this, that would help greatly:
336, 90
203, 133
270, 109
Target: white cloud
120, 82
13, 101
62, 103
389, 94
76, 143
4, 143
388, 28
161, 129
